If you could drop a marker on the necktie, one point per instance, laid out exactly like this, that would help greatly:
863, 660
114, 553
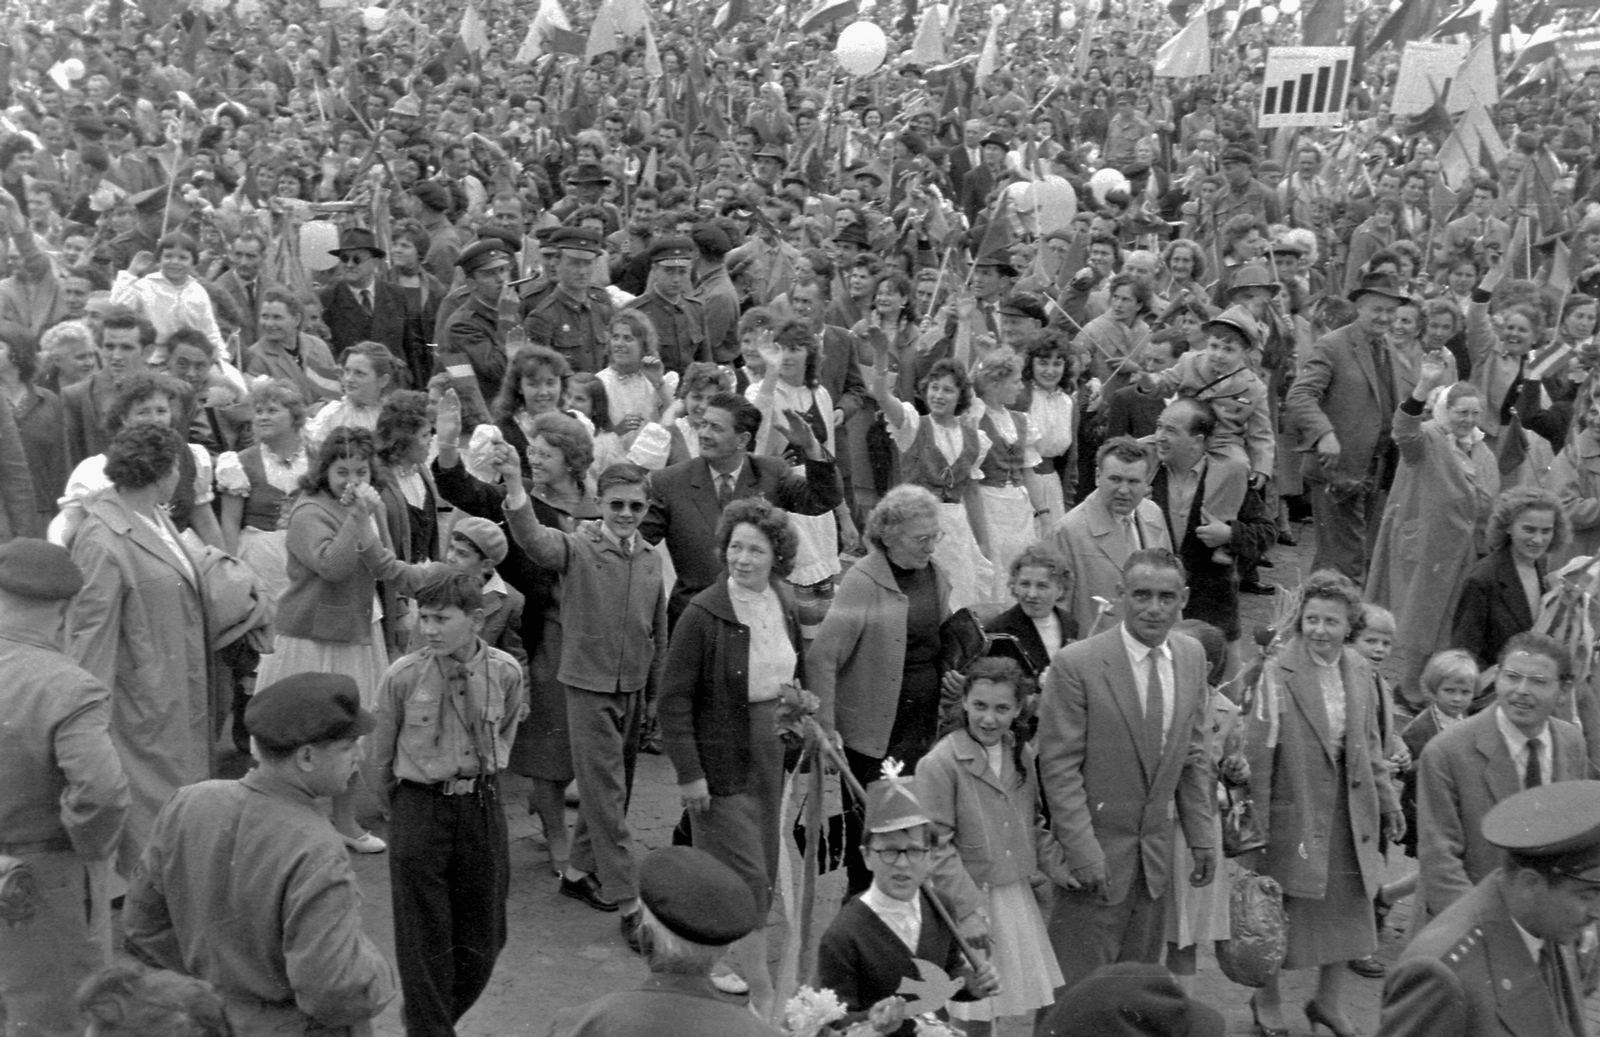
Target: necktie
366, 299
1154, 725
1134, 534
724, 490
1555, 980
250, 297
1533, 773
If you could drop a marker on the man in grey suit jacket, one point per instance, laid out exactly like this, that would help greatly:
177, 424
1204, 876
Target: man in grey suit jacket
1097, 537
1340, 408
1118, 774
1475, 764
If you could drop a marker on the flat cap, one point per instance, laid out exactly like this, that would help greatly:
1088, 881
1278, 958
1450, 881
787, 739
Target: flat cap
696, 896
1238, 155
588, 173
306, 709
1021, 304
484, 535
484, 254
674, 246
39, 570
433, 194
1555, 825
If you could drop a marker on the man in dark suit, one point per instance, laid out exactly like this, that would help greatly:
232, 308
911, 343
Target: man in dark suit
966, 156
686, 500
1499, 962
240, 286
358, 307
123, 340
1340, 408
1122, 760
1513, 745
979, 184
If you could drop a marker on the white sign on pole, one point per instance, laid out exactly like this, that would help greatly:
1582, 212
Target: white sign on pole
1425, 72
1305, 86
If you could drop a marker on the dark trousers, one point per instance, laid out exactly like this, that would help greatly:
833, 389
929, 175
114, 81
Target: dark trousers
449, 872
1086, 933
1347, 525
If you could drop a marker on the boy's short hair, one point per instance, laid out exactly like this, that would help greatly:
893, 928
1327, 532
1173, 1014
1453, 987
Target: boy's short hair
1373, 616
1452, 662
447, 587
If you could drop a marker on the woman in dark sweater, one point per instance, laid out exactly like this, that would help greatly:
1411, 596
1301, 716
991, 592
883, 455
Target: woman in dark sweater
734, 648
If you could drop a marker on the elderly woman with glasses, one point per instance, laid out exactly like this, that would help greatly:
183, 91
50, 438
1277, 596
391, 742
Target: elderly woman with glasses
875, 663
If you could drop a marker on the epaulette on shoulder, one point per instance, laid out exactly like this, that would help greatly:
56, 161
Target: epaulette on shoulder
1463, 948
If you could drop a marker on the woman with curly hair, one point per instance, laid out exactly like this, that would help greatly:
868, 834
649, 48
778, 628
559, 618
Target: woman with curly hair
330, 620
1501, 595
368, 372
1183, 270
1320, 784
1433, 524
736, 645
535, 384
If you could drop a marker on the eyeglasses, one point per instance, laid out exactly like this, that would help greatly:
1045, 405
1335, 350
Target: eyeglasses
928, 540
1531, 680
912, 854
636, 507
353, 260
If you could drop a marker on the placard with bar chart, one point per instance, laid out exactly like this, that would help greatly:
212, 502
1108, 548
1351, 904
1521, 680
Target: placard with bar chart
1305, 86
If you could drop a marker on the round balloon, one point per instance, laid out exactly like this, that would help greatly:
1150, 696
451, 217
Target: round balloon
1069, 17
317, 239
861, 48
1105, 181
375, 18
73, 69
1289, 6
1055, 203
1269, 16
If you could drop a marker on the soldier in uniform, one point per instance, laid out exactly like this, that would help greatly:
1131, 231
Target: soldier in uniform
679, 320
694, 907
63, 798
571, 315
475, 326
1499, 961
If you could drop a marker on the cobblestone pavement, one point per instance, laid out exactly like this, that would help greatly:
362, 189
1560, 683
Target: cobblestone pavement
562, 953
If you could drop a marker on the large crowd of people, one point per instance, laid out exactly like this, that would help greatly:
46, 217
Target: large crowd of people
395, 398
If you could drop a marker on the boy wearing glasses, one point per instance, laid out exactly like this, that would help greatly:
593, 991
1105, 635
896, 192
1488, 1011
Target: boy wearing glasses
614, 643
869, 947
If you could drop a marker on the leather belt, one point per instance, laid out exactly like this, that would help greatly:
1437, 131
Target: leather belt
58, 844
453, 787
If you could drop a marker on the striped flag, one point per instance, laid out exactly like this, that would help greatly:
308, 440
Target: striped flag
825, 11
1541, 46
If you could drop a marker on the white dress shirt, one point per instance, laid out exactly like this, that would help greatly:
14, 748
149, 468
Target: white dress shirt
903, 917
1517, 745
1138, 653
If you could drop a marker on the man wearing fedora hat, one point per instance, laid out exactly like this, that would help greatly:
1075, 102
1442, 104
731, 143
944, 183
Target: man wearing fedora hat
1500, 961
586, 183
257, 853
63, 797
358, 306
978, 186
1339, 410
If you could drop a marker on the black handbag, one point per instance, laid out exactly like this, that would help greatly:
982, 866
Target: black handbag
1241, 828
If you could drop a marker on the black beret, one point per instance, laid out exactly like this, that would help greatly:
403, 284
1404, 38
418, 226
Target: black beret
432, 194
711, 240
306, 709
696, 896
38, 570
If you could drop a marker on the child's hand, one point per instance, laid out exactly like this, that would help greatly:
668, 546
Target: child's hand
984, 982
447, 417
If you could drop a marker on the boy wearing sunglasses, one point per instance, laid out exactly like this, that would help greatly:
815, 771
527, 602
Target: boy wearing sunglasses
614, 643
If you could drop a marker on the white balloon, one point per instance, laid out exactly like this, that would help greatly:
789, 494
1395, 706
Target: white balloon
861, 48
1055, 202
375, 18
1069, 16
1289, 6
317, 238
1269, 16
1105, 181
73, 68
